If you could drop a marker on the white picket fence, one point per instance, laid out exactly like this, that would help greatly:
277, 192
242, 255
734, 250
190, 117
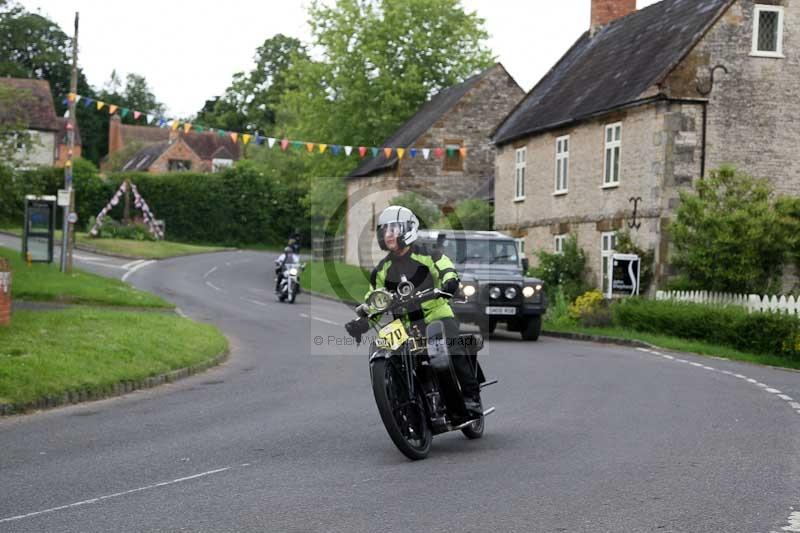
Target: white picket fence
753, 302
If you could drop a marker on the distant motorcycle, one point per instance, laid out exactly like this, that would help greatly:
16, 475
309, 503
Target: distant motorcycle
413, 379
289, 285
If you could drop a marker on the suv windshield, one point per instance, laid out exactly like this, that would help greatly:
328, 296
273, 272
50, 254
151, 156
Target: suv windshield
496, 252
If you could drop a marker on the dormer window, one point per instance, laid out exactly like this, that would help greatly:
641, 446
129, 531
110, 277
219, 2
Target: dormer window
767, 31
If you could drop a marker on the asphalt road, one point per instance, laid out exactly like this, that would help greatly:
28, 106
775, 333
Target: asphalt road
285, 436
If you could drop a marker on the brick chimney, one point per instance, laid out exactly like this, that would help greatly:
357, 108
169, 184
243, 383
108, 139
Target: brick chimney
605, 11
114, 134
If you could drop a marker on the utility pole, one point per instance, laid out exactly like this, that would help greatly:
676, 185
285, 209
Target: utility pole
66, 228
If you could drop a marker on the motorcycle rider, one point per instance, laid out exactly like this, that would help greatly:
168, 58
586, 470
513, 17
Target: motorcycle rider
396, 232
288, 256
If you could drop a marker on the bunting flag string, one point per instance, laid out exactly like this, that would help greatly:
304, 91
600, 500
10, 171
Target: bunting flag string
174, 124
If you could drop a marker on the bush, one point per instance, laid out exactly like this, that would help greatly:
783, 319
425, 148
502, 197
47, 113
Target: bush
565, 270
591, 310
557, 312
763, 333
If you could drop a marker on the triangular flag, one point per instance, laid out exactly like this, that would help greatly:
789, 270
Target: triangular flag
100, 105
284, 144
65, 101
322, 148
246, 138
400, 152
336, 149
87, 102
162, 123
362, 151
463, 152
221, 133
175, 125
438, 153
187, 127
259, 139
77, 98
66, 115
426, 152
124, 112
297, 144
112, 109
450, 152
348, 150
387, 152
136, 115
310, 147
413, 153
199, 128
270, 141
71, 97
234, 136
150, 118
374, 151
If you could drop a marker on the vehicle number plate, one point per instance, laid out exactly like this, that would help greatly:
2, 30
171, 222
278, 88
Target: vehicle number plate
393, 334
501, 310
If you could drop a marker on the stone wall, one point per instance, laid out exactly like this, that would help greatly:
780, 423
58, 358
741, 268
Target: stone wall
366, 198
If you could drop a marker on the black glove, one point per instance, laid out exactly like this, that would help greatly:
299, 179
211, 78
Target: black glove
451, 286
357, 327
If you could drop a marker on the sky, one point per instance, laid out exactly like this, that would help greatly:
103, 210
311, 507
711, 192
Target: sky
188, 50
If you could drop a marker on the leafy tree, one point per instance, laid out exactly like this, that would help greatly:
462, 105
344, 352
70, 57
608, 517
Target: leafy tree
15, 142
728, 237
426, 211
251, 101
472, 214
566, 270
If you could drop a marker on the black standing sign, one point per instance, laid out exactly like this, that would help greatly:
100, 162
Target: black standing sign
625, 272
37, 238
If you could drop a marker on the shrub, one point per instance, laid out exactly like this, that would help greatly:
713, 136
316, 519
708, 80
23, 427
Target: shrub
591, 310
765, 333
557, 312
565, 270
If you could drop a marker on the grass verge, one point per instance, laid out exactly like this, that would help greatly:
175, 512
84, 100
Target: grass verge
49, 353
133, 249
338, 280
675, 343
44, 282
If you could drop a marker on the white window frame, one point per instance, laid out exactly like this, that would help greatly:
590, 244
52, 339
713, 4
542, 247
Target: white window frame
562, 165
759, 8
614, 162
520, 155
558, 243
608, 241
520, 246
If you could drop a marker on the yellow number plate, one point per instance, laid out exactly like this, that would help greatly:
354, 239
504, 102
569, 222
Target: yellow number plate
393, 334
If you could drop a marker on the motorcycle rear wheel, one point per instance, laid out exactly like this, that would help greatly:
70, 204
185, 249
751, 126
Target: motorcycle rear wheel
405, 420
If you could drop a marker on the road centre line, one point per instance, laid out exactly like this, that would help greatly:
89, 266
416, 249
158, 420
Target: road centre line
126, 266
214, 286
137, 267
256, 302
115, 495
326, 321
209, 273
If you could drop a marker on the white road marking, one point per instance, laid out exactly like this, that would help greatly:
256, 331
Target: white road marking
262, 304
665, 356
794, 522
695, 364
740, 376
137, 267
643, 350
324, 320
762, 385
773, 391
795, 405
750, 380
115, 495
180, 312
214, 286
709, 367
784, 397
126, 266
209, 273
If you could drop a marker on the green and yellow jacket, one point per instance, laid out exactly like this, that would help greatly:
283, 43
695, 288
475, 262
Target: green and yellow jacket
424, 271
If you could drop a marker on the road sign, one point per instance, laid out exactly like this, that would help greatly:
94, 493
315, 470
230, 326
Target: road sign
625, 273
63, 198
72, 218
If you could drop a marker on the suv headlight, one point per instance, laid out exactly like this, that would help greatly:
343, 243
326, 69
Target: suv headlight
510, 293
494, 293
468, 290
527, 292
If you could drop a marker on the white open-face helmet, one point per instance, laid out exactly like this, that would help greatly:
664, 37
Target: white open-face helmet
403, 220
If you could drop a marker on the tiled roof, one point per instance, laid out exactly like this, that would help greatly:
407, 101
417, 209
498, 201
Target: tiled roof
34, 106
145, 157
614, 67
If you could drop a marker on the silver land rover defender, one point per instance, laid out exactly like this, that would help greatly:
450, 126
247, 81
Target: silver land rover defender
493, 280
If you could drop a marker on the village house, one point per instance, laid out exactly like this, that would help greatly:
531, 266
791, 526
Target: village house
459, 117
643, 104
167, 150
33, 107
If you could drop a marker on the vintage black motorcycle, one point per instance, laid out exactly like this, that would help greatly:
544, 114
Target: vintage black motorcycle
413, 379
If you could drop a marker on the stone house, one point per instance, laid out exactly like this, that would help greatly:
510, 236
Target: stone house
459, 117
167, 150
643, 104
34, 108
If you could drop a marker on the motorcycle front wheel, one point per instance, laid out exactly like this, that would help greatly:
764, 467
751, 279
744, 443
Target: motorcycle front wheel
474, 430
405, 419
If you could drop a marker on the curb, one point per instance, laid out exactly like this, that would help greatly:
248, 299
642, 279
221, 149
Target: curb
598, 338
109, 391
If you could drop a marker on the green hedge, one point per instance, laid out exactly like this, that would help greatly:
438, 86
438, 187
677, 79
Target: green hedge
761, 333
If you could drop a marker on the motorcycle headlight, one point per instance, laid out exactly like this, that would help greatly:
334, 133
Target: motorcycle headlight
379, 299
468, 290
510, 293
494, 293
527, 292
292, 271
